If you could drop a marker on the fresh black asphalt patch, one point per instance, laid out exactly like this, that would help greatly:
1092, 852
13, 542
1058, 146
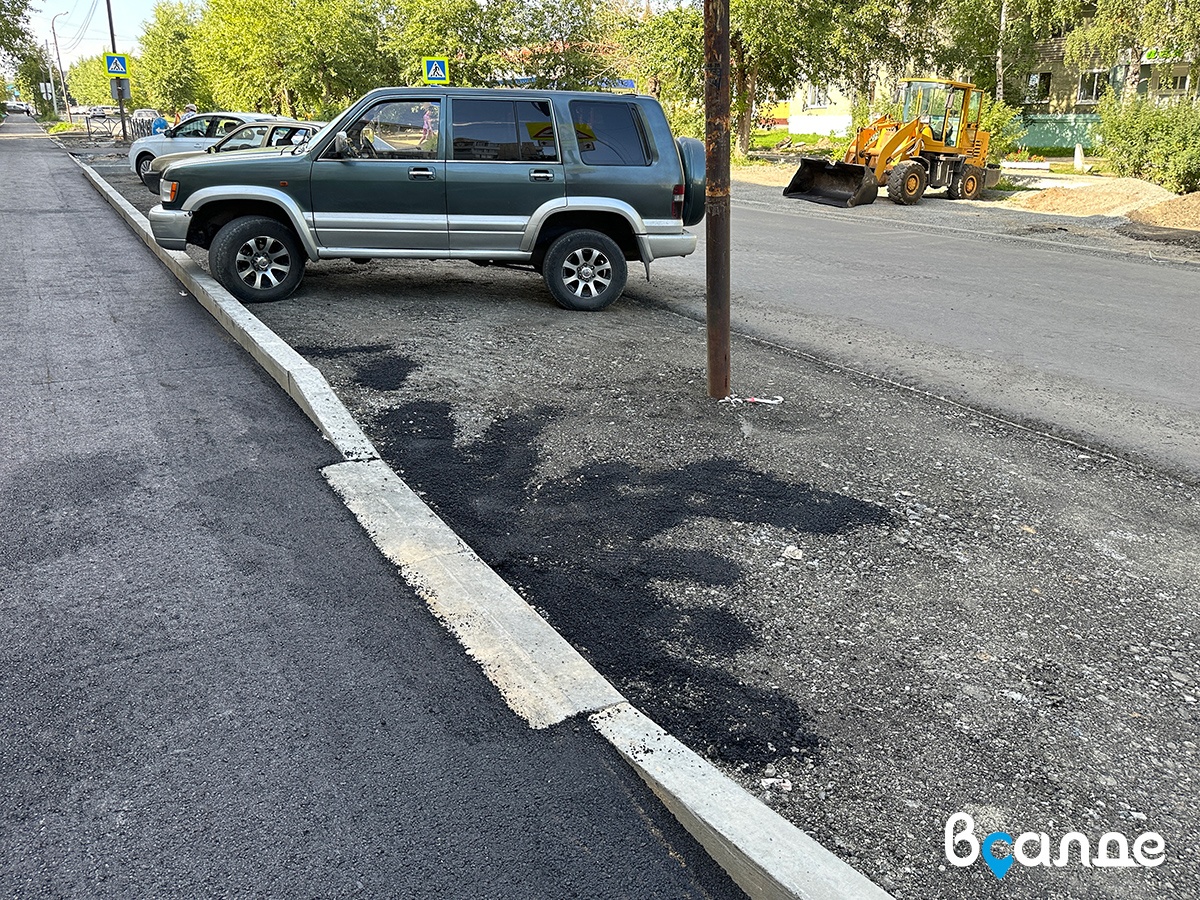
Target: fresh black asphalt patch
595, 585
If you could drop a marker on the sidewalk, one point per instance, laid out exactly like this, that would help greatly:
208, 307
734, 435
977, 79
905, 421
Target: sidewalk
213, 684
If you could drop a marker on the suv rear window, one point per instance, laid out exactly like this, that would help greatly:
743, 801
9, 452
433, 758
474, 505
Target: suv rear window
503, 131
609, 133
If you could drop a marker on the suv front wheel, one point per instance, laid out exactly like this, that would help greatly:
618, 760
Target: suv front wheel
585, 270
257, 259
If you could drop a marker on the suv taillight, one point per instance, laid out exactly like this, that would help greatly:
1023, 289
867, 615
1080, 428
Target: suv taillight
677, 202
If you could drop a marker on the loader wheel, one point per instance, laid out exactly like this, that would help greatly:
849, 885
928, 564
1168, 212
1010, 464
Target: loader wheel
967, 184
906, 183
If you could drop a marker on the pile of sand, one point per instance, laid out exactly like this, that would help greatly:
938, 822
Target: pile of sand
1106, 197
1178, 212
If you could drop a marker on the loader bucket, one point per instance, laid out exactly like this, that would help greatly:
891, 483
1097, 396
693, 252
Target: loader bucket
832, 183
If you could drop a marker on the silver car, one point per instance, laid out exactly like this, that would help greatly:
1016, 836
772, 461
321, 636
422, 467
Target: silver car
193, 134
268, 134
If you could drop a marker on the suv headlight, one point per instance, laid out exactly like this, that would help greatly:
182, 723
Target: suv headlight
167, 190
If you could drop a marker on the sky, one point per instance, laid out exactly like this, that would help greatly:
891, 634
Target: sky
84, 31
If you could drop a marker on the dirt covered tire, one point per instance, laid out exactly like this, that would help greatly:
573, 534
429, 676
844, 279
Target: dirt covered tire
257, 259
906, 183
967, 184
585, 270
143, 166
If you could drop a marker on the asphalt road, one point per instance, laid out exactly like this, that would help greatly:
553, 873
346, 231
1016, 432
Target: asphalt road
1050, 321
211, 683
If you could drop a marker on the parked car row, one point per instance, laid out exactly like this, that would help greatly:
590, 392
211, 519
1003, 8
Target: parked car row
192, 135
257, 135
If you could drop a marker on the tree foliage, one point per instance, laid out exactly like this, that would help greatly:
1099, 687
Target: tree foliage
90, 83
14, 30
474, 35
168, 75
665, 56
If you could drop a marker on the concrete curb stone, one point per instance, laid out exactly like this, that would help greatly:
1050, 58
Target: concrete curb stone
539, 674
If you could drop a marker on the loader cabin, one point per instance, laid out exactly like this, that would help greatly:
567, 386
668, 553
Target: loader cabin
950, 109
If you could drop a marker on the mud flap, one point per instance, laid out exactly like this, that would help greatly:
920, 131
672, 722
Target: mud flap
834, 184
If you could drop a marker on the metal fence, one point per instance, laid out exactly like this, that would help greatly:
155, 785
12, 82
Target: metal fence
110, 127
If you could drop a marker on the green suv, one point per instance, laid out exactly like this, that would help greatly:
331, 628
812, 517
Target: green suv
574, 184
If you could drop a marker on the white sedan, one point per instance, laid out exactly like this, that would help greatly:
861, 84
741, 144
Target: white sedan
197, 133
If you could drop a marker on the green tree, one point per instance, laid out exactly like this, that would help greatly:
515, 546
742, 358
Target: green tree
568, 44
992, 43
241, 52
665, 54
31, 69
90, 83
873, 39
774, 45
336, 50
14, 30
168, 75
307, 57
480, 39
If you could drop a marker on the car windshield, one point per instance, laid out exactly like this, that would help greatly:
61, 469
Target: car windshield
330, 128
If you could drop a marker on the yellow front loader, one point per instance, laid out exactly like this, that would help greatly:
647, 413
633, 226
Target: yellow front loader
937, 143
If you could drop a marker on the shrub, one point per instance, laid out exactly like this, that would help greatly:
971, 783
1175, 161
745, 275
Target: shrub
1003, 124
1157, 143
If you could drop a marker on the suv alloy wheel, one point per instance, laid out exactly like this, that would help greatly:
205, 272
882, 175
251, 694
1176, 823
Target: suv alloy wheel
585, 270
257, 259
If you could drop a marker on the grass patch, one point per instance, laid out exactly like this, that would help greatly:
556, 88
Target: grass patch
767, 140
1005, 185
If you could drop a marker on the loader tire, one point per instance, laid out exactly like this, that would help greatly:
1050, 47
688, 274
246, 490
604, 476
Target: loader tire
906, 183
967, 184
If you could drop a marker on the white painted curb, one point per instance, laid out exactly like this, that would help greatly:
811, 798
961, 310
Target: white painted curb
541, 676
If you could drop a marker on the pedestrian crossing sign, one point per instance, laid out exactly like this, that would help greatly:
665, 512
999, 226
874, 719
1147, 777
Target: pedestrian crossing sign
117, 64
437, 70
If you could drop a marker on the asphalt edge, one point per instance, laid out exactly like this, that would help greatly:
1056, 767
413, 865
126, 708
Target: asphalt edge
540, 676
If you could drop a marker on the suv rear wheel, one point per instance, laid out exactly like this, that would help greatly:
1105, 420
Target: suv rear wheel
257, 259
585, 270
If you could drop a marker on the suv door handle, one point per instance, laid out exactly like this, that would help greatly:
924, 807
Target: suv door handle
420, 174
541, 175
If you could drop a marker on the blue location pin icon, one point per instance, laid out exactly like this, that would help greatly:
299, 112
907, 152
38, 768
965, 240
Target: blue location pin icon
998, 865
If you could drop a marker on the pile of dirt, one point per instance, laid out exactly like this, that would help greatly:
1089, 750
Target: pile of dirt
1108, 197
1178, 212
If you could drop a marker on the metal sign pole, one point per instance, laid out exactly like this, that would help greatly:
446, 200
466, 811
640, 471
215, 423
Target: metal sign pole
716, 192
112, 32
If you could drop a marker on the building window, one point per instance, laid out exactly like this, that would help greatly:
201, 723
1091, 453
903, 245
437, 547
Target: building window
1177, 83
817, 98
1092, 86
1038, 89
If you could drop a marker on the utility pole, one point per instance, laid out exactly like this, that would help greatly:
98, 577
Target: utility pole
716, 193
61, 79
112, 32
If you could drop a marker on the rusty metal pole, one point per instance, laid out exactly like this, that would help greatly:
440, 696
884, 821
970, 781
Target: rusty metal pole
716, 192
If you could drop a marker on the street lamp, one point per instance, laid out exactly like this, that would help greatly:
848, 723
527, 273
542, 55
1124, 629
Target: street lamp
61, 79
